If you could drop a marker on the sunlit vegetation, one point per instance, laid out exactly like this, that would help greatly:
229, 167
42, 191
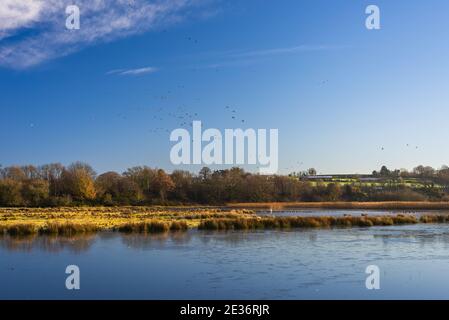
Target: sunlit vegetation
68, 228
72, 220
58, 200
55, 185
69, 221
434, 218
153, 226
304, 222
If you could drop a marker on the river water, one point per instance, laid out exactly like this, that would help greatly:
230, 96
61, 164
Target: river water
300, 264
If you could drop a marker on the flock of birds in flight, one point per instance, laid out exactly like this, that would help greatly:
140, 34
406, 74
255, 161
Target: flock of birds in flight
185, 118
166, 118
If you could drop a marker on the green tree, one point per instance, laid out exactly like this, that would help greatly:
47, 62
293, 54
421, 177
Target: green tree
36, 192
10, 193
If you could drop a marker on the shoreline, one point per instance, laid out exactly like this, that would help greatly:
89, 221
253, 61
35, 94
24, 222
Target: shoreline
366, 205
384, 205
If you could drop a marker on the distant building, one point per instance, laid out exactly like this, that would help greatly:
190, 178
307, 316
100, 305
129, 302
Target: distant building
337, 177
369, 179
317, 177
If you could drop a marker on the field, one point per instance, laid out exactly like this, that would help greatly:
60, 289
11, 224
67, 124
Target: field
75, 220
414, 183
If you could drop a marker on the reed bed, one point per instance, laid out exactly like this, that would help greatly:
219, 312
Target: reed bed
51, 228
434, 218
70, 221
19, 229
73, 220
304, 222
171, 213
152, 227
69, 228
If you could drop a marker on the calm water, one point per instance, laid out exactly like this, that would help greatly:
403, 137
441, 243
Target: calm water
342, 212
307, 264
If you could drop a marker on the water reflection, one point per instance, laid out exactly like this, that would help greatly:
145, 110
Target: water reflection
54, 244
421, 234
159, 241
426, 236
81, 243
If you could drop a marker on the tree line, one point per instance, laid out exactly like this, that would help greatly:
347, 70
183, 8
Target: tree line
78, 184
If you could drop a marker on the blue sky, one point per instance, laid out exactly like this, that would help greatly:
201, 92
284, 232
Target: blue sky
337, 92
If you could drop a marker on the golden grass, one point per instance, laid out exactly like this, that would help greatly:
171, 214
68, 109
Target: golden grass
68, 228
152, 226
304, 222
434, 218
84, 220
69, 220
385, 205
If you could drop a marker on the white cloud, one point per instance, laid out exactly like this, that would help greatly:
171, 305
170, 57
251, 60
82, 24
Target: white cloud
18, 13
101, 20
239, 58
286, 50
133, 72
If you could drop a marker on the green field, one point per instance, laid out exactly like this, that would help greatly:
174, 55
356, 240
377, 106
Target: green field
413, 183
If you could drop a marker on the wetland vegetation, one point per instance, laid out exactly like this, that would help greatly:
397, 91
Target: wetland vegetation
68, 221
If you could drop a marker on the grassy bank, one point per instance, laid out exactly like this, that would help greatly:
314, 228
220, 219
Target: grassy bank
304, 222
387, 205
70, 221
317, 222
69, 228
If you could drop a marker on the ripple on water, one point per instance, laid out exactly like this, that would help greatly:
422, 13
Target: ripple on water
328, 263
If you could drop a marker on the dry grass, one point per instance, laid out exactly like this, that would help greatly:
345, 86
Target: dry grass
304, 222
152, 226
71, 221
434, 218
68, 228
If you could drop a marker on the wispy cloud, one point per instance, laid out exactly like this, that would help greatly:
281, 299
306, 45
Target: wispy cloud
238, 58
101, 20
134, 72
286, 50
